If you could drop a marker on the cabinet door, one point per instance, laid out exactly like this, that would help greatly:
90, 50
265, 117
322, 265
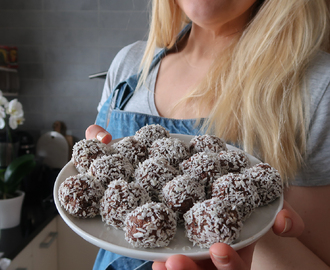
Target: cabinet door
44, 248
73, 251
23, 260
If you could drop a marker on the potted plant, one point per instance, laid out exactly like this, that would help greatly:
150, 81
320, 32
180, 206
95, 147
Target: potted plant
11, 198
11, 115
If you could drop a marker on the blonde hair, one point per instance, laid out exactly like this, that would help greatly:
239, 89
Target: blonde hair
256, 90
166, 21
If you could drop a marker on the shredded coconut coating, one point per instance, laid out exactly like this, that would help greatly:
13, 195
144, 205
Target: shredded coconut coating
212, 221
119, 199
233, 161
150, 133
267, 180
79, 195
85, 151
150, 225
112, 167
181, 193
238, 190
172, 184
207, 143
153, 174
133, 149
172, 149
204, 167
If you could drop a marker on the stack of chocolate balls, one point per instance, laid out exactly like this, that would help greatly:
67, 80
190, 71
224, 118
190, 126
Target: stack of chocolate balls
151, 183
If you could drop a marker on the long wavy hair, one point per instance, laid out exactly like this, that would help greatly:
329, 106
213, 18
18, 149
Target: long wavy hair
257, 89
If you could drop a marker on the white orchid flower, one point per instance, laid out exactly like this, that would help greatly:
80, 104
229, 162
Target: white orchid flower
3, 100
2, 112
14, 121
2, 117
15, 108
11, 113
2, 123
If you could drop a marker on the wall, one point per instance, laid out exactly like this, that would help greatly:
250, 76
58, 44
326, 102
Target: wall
60, 43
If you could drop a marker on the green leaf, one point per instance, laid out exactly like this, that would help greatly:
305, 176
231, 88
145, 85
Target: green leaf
17, 170
2, 174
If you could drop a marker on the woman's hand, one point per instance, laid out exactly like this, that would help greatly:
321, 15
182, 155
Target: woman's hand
97, 132
287, 224
222, 257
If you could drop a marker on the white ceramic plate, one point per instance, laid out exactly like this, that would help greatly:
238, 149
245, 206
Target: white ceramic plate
98, 233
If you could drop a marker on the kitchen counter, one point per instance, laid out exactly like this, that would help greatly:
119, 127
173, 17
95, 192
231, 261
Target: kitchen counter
35, 217
37, 212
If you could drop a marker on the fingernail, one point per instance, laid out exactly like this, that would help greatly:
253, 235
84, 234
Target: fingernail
101, 135
221, 259
288, 225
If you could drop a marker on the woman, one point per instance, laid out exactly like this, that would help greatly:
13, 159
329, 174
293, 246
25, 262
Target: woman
252, 72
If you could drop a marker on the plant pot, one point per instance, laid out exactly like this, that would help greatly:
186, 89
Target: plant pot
8, 152
10, 211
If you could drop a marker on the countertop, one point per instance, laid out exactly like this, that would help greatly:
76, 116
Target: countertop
37, 211
34, 219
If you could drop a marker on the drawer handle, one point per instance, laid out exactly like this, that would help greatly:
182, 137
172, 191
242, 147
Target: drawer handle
49, 240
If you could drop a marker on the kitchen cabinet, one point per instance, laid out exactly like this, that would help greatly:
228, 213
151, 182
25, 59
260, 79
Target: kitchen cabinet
45, 248
56, 247
73, 251
23, 260
40, 253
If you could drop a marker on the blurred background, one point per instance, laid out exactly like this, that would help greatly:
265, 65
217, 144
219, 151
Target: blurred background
59, 44
48, 51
